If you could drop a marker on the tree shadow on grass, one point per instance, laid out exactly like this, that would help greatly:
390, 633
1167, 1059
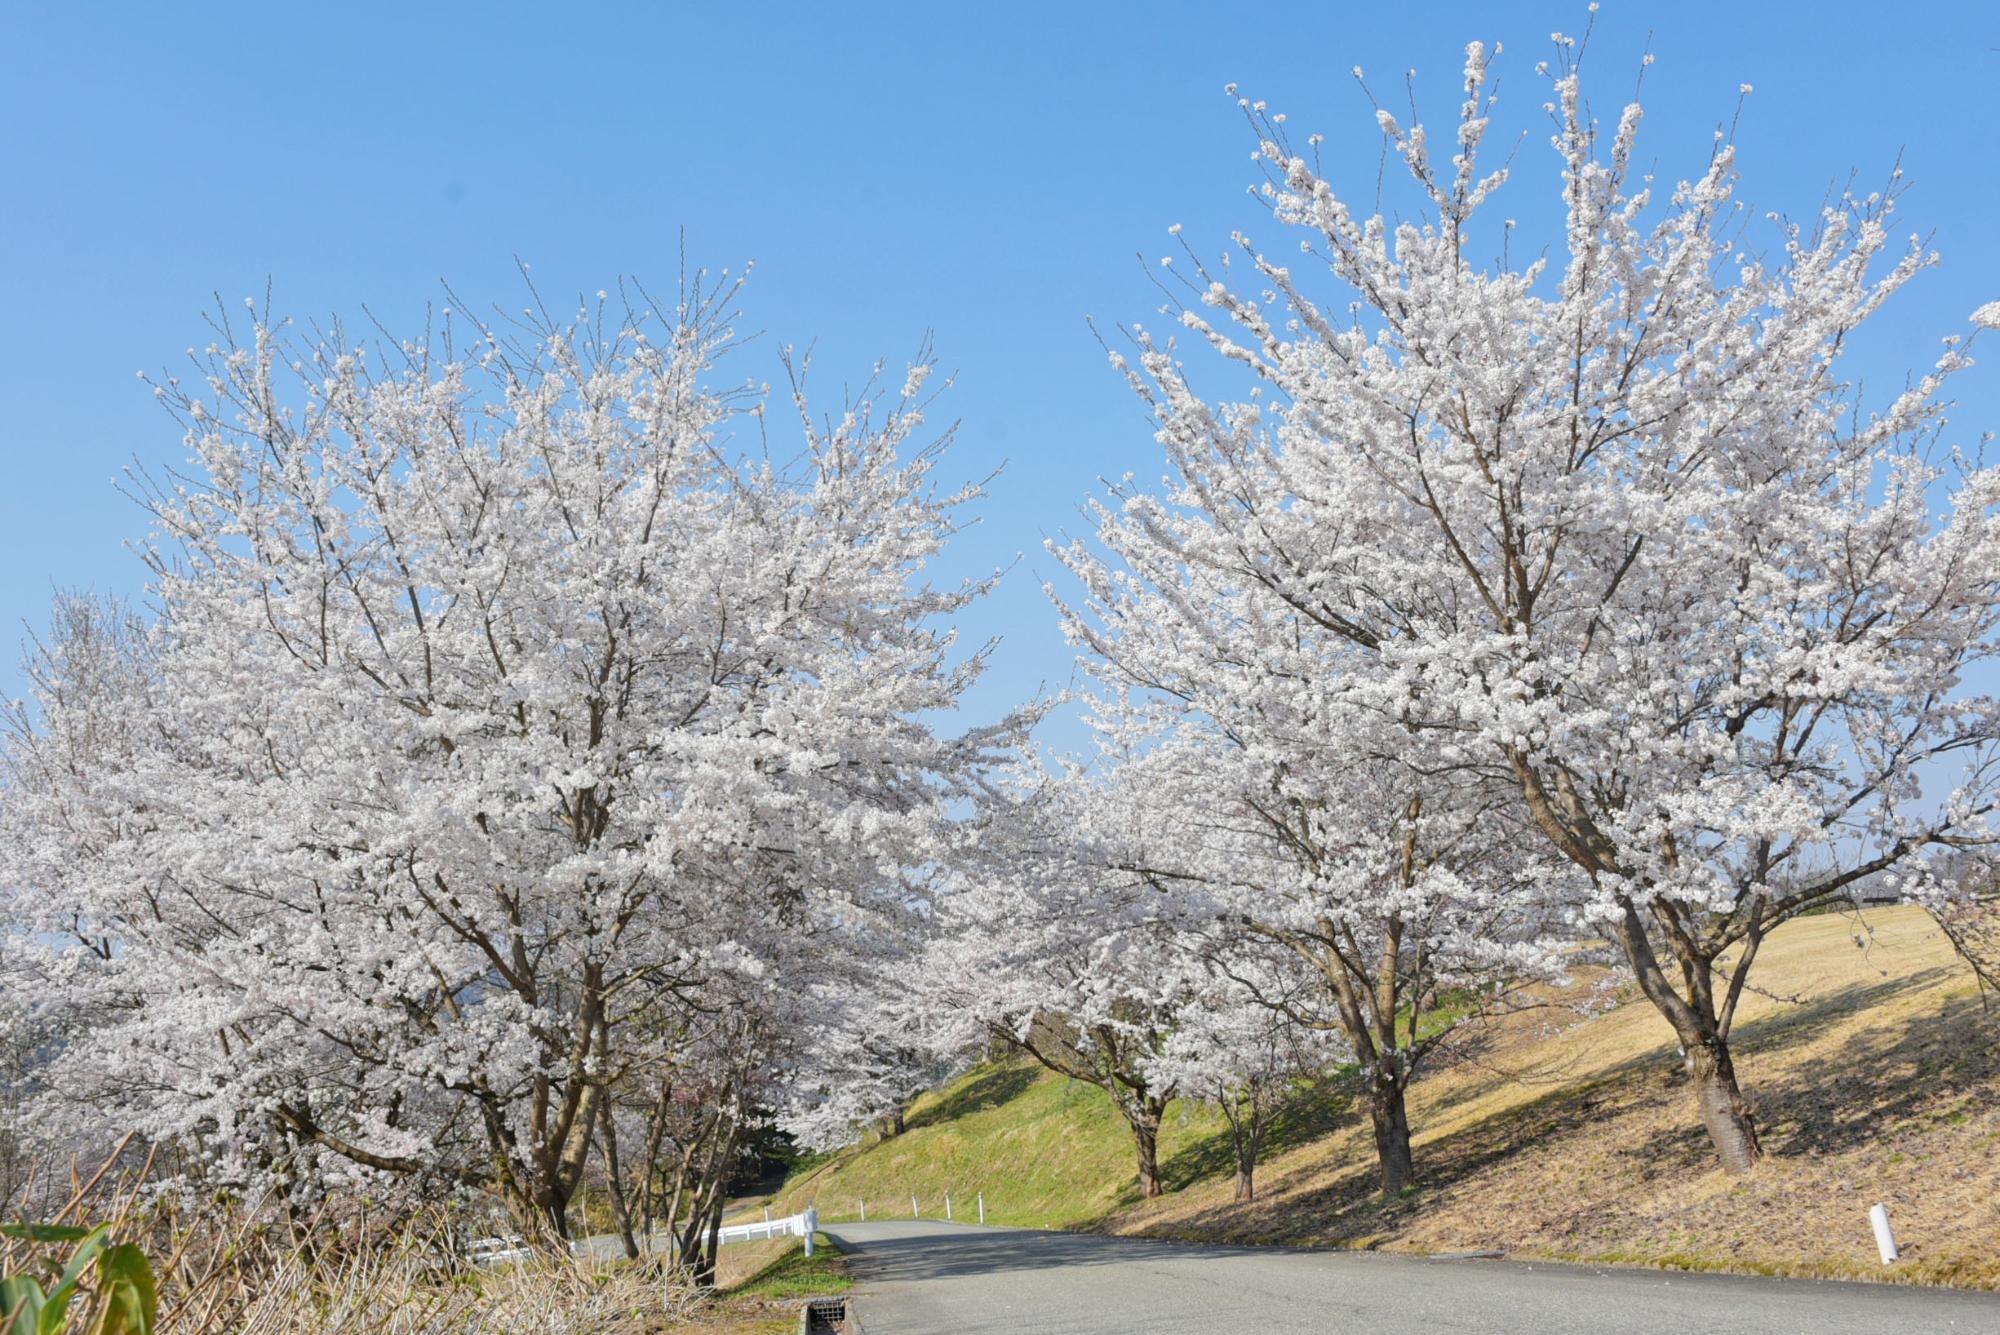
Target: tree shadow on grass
1794, 1020
1818, 1106
1313, 1111
1790, 1114
993, 1087
1923, 1070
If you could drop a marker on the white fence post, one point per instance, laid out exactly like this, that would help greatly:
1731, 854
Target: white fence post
947, 1207
864, 1209
1885, 1238
913, 1206
982, 1207
811, 1220
767, 1214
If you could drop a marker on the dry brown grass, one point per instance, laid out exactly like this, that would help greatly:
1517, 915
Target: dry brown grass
227, 1270
404, 1291
740, 1262
368, 1296
1874, 1068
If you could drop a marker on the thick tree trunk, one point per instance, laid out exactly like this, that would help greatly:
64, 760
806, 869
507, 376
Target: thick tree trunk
698, 1243
539, 1209
700, 1240
1146, 1141
543, 1216
687, 1243
1391, 1120
1246, 1182
1702, 1029
1724, 1111
555, 1220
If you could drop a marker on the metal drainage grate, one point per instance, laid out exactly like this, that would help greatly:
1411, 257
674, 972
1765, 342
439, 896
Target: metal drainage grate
826, 1316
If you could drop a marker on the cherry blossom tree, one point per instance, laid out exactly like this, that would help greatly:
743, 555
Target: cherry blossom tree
1610, 525
1043, 942
696, 1120
71, 810
502, 710
1241, 1051
1275, 821
865, 1055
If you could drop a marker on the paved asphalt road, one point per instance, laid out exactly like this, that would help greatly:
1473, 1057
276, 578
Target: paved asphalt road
923, 1277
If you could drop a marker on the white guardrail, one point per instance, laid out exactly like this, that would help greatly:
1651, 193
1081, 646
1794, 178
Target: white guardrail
500, 1250
803, 1225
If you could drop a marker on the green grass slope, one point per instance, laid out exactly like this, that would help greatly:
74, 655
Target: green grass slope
1046, 1151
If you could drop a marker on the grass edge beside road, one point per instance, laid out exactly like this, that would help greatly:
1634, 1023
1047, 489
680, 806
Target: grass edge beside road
792, 1275
763, 1283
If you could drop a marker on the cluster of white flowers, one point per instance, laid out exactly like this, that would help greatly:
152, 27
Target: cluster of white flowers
502, 756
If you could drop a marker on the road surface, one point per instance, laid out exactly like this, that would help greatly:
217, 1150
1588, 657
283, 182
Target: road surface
922, 1277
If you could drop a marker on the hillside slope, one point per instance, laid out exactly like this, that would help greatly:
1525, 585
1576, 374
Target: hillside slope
1873, 1063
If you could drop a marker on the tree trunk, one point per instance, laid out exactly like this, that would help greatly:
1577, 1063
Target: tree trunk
621, 1215
1246, 1135
1703, 1037
650, 1172
1146, 1141
705, 1266
554, 1229
541, 1212
1392, 1135
1724, 1111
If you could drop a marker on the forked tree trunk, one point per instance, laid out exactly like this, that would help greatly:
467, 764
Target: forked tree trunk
542, 1217
1724, 1111
540, 1210
700, 1240
1701, 1028
1391, 1119
1051, 1041
1246, 1181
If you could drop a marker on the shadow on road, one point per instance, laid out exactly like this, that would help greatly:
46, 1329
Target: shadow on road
923, 1250
920, 1277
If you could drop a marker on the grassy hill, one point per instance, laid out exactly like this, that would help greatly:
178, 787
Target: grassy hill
1873, 1062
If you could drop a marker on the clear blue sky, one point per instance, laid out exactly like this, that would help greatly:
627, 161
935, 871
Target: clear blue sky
987, 173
